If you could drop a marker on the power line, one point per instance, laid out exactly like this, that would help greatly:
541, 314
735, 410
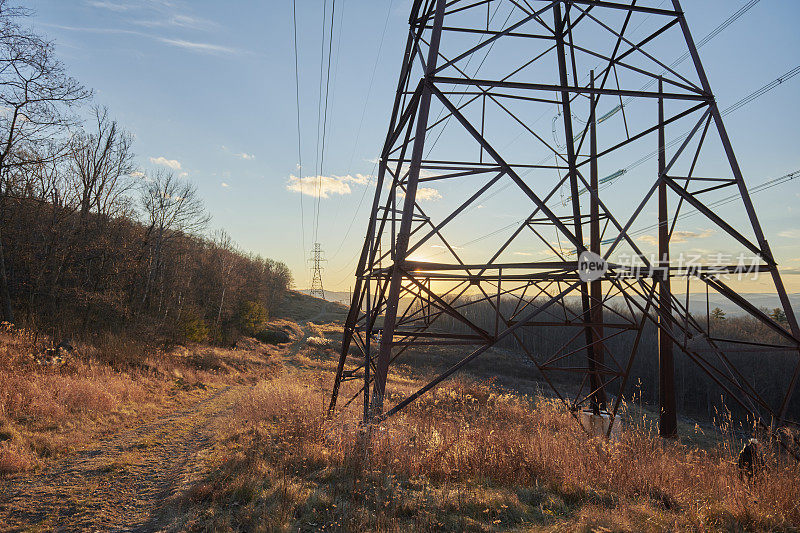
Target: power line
371, 81
332, 106
610, 180
299, 136
716, 31
730, 109
728, 199
319, 111
325, 120
358, 135
763, 90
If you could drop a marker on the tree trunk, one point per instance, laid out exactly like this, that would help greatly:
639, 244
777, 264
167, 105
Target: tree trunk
5, 295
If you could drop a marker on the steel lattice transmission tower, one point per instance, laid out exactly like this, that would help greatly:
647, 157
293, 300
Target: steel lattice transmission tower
316, 261
572, 121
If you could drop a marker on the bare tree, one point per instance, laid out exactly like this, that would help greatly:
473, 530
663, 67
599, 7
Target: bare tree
35, 97
102, 161
47, 183
224, 248
171, 207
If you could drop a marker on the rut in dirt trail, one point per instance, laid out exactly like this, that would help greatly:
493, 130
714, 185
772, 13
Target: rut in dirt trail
129, 480
124, 482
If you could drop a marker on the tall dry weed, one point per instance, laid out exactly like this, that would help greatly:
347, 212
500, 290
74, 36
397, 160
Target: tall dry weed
457, 445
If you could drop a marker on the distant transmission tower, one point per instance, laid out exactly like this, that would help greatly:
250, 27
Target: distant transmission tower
579, 275
316, 272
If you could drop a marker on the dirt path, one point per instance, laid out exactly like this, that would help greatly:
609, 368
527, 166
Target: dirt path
121, 483
125, 482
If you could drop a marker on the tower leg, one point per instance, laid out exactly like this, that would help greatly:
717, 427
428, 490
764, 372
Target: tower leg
597, 398
404, 233
667, 421
596, 287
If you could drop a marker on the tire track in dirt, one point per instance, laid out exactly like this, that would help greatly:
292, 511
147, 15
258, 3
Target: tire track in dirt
129, 480
121, 483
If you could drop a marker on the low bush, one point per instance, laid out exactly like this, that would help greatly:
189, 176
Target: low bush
192, 328
273, 336
251, 318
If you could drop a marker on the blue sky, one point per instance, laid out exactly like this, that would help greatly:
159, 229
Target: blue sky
208, 88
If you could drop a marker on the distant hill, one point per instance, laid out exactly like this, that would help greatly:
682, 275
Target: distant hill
769, 301
697, 301
332, 296
299, 306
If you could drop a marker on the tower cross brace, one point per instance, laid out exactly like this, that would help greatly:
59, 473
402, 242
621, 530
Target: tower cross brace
474, 78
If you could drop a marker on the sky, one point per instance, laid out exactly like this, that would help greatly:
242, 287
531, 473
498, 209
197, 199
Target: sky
208, 90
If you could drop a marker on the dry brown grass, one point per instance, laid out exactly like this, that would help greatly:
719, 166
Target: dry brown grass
48, 407
470, 458
16, 458
47, 401
299, 307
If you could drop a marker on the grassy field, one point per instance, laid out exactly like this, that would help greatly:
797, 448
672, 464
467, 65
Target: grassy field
52, 403
473, 455
470, 456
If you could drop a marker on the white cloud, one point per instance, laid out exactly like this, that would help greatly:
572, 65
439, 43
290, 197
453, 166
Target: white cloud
240, 155
199, 47
683, 236
108, 31
425, 194
360, 179
324, 186
526, 254
111, 6
183, 175
163, 13
164, 162
224, 185
178, 21
141, 176
195, 46
428, 194
790, 234
679, 237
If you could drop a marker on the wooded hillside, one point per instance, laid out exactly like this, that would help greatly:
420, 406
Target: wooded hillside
87, 240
